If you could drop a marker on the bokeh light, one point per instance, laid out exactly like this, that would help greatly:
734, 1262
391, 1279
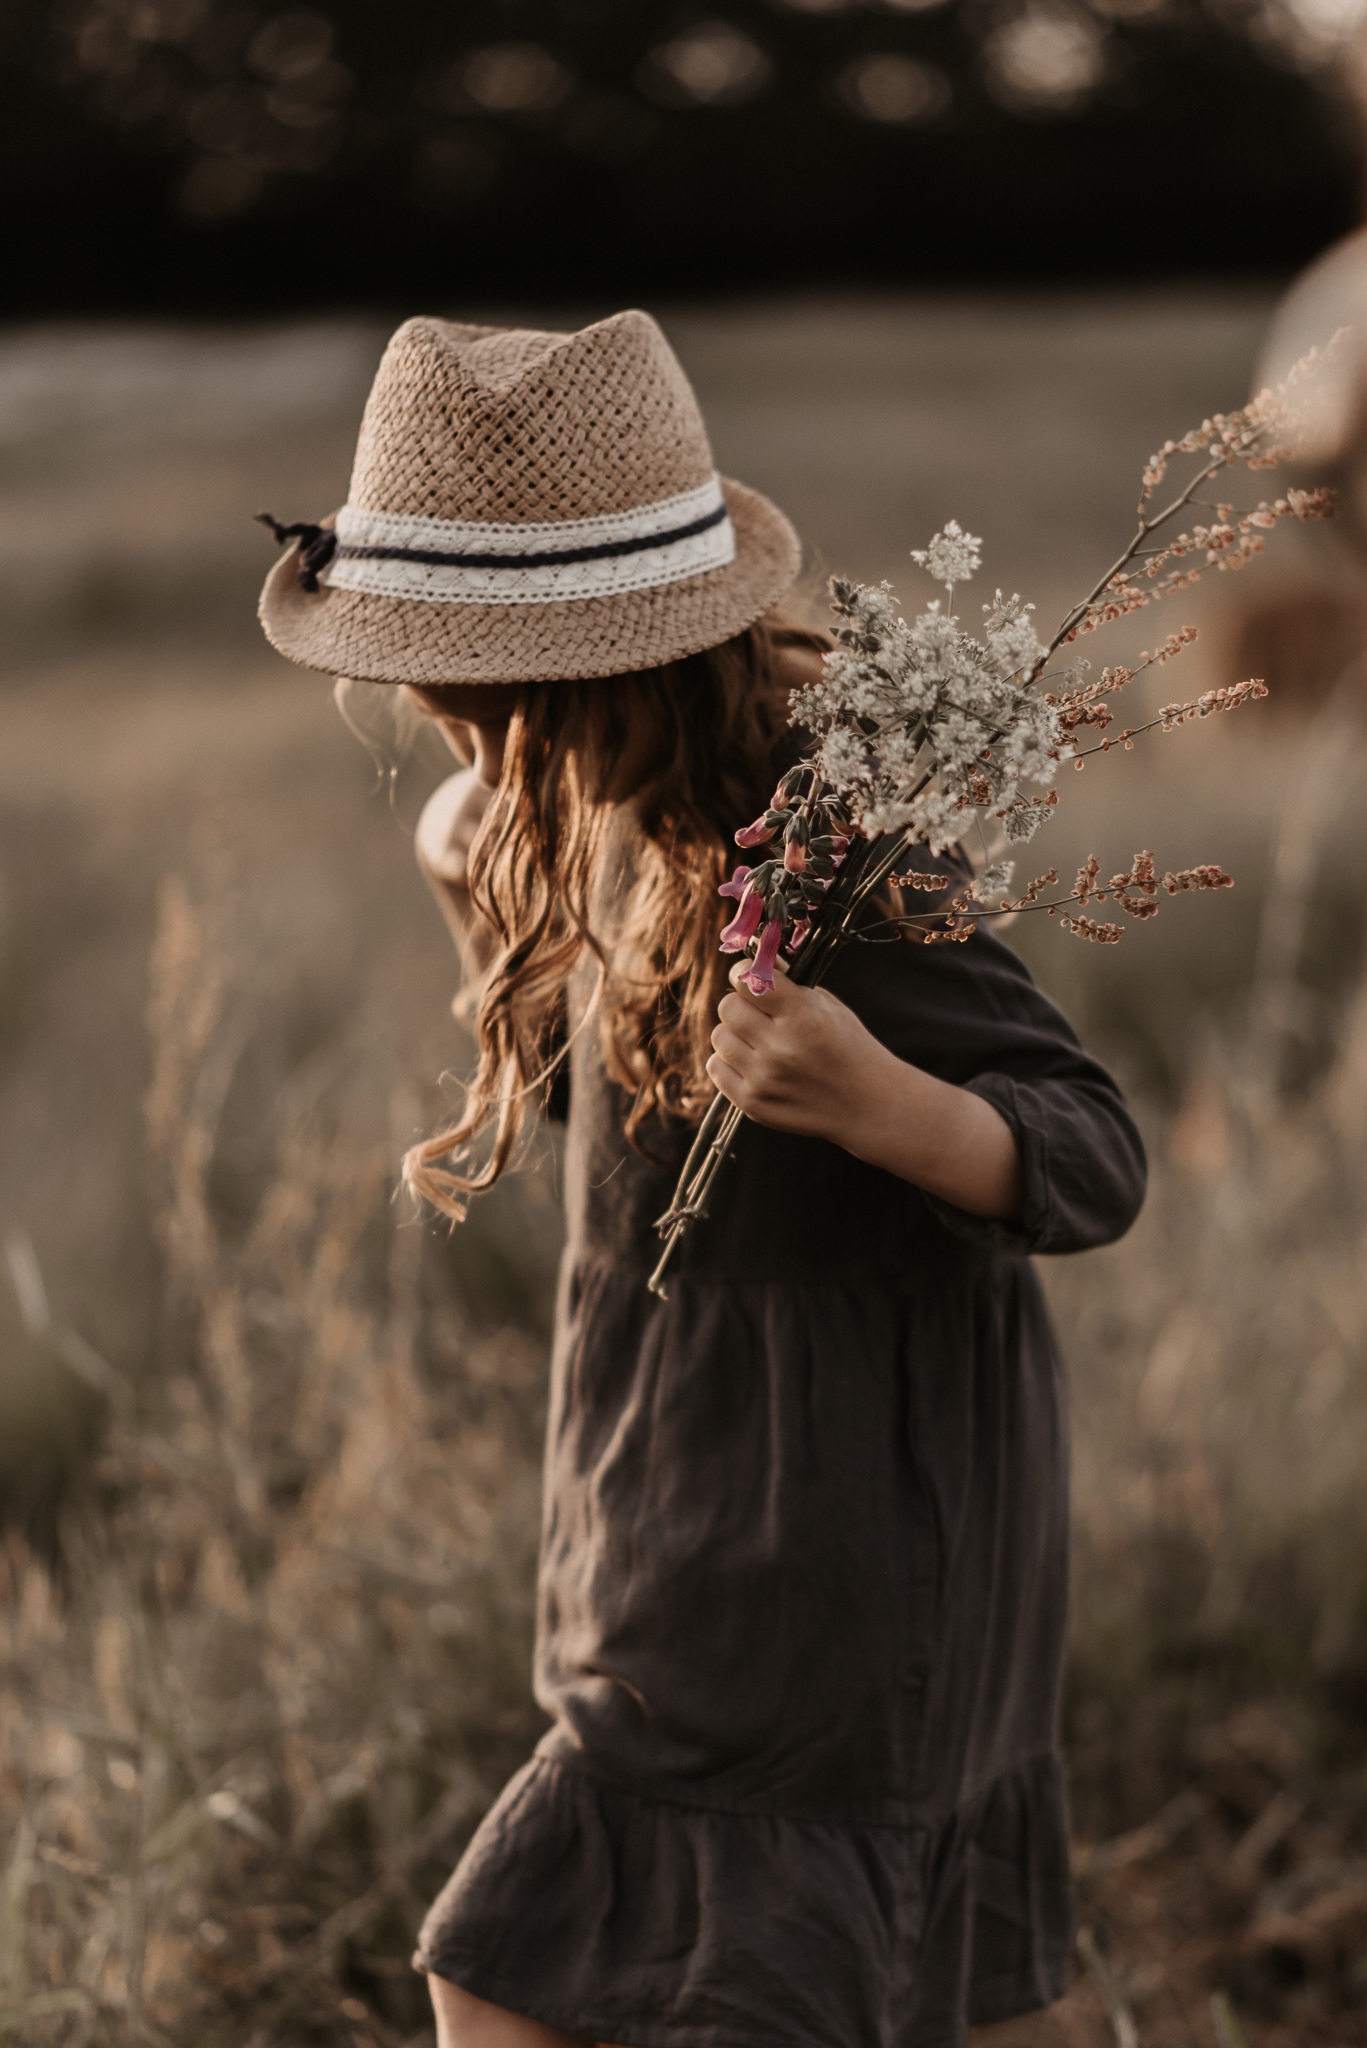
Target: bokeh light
890, 87
712, 65
1048, 56
514, 78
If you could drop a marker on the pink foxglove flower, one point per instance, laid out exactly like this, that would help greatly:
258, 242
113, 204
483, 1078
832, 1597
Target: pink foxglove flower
745, 923
760, 978
737, 886
758, 834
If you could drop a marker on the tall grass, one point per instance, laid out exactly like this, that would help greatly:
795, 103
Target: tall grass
253, 1703
1220, 1395
284, 1667
1219, 1359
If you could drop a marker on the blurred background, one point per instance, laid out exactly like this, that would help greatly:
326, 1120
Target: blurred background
269, 1448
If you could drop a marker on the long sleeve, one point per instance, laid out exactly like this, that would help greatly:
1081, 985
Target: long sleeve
971, 1014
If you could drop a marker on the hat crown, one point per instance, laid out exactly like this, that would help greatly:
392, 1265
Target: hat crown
516, 426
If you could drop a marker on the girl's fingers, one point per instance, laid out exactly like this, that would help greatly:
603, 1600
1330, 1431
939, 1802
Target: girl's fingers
725, 1078
730, 1046
744, 1019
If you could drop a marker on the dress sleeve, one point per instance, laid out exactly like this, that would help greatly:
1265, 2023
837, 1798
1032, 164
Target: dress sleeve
971, 1014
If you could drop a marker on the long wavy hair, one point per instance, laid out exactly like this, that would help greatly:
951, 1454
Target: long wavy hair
556, 885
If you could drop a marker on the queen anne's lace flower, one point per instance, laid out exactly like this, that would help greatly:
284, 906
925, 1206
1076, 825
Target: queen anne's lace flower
993, 882
1010, 635
918, 723
952, 557
923, 729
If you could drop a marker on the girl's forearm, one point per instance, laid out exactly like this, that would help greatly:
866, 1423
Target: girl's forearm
944, 1139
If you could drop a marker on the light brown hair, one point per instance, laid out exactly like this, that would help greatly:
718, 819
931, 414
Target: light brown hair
696, 740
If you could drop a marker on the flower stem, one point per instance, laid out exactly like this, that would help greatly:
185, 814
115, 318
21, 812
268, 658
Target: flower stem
717, 1131
1142, 532
722, 1122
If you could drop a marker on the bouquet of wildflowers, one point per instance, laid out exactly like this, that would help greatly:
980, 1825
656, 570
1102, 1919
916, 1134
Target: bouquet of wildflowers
927, 733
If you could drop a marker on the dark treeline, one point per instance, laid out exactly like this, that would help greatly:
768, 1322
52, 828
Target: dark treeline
218, 155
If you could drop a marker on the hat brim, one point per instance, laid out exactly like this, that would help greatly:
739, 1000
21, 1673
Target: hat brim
413, 640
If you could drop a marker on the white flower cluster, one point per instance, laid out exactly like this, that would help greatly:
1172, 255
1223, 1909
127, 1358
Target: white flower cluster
952, 557
992, 884
920, 724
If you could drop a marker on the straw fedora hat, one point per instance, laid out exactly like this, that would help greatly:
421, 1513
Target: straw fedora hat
527, 507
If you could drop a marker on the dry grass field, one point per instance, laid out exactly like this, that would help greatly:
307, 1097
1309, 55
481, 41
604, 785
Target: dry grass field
269, 1449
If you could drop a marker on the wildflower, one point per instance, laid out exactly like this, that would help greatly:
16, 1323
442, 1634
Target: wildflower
1034, 890
759, 978
1137, 890
920, 729
1085, 887
1318, 504
1205, 877
1010, 635
1088, 928
744, 924
953, 555
994, 881
1227, 698
1021, 818
930, 880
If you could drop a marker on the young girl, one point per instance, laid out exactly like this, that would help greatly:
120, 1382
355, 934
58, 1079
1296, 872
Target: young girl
804, 1564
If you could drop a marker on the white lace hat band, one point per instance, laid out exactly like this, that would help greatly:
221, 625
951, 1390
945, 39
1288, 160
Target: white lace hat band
451, 561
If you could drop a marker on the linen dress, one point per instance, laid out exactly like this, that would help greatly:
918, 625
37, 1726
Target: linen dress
804, 1567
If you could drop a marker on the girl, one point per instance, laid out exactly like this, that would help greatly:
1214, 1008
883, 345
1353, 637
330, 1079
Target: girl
804, 1563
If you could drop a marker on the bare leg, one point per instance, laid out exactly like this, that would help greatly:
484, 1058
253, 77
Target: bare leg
464, 2021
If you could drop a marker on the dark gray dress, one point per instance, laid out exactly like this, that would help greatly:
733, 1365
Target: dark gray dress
804, 1573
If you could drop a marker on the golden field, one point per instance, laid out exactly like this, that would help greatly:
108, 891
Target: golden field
269, 1446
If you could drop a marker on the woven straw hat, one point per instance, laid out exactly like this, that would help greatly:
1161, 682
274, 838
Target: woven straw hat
527, 507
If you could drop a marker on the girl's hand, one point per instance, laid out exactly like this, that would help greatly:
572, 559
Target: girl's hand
447, 826
799, 1060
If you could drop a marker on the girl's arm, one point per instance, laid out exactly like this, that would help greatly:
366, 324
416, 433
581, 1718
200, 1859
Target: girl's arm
446, 831
800, 1060
913, 1057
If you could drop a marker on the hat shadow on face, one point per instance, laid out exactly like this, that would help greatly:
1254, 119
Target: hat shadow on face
471, 703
